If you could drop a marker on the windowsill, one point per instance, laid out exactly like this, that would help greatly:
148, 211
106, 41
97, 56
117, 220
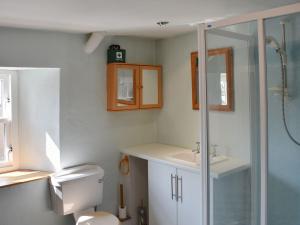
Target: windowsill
4, 165
21, 176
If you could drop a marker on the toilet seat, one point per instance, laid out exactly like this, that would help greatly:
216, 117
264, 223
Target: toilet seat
97, 218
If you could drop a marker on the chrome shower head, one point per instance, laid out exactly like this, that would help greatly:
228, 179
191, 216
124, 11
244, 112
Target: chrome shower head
275, 45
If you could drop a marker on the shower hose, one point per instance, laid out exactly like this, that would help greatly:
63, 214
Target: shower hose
284, 73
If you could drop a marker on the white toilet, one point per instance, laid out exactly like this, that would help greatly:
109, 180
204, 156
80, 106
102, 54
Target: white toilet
78, 190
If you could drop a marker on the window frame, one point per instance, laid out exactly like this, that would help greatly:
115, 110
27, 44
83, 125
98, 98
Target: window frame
10, 118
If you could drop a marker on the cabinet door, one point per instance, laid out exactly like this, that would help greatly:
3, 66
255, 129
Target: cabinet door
189, 202
151, 87
162, 204
122, 87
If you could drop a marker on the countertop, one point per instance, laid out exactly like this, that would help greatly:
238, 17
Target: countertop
161, 153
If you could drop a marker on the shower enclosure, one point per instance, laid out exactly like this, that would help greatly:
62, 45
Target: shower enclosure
263, 129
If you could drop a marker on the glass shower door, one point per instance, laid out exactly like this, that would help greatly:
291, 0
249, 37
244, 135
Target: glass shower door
283, 79
233, 126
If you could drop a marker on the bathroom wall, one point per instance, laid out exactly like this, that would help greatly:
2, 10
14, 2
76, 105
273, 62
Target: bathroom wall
178, 123
88, 133
39, 118
225, 126
29, 204
284, 155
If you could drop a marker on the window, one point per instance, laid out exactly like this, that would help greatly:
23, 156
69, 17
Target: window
5, 119
223, 85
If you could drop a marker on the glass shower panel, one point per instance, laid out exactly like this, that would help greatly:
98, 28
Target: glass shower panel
283, 83
232, 79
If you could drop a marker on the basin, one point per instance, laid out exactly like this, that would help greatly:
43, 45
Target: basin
194, 158
186, 156
217, 159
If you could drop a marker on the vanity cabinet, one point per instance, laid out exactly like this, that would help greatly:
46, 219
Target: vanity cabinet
189, 209
161, 188
174, 195
131, 86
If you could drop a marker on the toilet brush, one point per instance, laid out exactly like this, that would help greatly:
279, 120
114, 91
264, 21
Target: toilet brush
142, 214
122, 207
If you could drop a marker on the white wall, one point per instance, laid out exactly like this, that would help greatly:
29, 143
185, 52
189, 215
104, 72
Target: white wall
231, 130
177, 122
39, 119
29, 204
88, 133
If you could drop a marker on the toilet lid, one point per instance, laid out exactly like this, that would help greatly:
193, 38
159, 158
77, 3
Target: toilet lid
97, 218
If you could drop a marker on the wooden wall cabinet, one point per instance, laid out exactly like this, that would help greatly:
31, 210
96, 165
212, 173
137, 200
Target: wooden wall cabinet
131, 86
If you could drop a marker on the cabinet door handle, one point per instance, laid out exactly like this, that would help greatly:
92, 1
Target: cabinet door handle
176, 188
179, 197
172, 186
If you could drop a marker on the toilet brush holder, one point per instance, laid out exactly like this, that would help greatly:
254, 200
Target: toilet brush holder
123, 212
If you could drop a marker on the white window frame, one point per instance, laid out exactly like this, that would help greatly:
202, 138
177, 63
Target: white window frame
10, 119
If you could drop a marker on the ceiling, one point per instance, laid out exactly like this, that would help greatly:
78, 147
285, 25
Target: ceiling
124, 17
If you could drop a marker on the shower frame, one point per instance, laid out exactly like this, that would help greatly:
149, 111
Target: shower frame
202, 28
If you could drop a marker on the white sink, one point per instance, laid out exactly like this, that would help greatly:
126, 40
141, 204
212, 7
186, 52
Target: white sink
217, 159
194, 158
190, 157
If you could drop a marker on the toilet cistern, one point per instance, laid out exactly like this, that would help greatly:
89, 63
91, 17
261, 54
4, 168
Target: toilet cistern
78, 190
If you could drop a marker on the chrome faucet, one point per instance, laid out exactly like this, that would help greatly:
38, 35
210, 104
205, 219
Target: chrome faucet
213, 150
197, 150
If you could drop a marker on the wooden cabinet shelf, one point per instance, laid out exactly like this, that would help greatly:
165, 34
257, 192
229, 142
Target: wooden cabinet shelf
131, 86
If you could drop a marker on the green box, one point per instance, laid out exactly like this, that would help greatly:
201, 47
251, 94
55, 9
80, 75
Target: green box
116, 56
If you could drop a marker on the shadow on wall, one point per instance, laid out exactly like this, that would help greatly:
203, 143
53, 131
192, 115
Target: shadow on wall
29, 204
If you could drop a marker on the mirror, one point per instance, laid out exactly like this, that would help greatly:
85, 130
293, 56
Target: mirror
219, 79
150, 86
125, 86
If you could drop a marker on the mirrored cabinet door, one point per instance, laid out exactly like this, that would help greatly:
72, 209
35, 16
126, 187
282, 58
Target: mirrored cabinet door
219, 78
125, 86
122, 87
151, 87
